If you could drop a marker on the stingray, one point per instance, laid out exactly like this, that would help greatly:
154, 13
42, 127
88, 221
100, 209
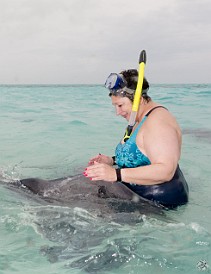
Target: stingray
79, 216
100, 197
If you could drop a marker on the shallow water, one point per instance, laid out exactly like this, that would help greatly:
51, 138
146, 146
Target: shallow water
51, 132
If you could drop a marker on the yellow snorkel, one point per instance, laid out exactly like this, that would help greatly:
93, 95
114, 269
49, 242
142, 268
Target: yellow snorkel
137, 96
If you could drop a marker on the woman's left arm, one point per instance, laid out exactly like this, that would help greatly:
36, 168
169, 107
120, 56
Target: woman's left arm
161, 142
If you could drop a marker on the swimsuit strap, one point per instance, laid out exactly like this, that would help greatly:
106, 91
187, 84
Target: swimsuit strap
142, 121
148, 113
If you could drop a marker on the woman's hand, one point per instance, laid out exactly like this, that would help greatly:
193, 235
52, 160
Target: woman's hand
100, 171
101, 158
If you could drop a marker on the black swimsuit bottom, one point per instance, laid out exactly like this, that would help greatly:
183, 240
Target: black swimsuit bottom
168, 194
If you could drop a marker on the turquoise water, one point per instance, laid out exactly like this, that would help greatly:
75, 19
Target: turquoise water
51, 132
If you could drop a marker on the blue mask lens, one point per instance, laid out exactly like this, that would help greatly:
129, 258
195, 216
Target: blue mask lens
115, 81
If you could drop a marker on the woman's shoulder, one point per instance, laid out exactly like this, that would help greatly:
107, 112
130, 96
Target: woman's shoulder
161, 118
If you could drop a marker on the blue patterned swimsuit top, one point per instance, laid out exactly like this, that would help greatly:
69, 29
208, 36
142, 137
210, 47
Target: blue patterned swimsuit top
128, 154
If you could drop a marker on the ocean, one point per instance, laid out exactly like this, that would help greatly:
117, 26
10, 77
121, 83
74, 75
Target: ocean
51, 131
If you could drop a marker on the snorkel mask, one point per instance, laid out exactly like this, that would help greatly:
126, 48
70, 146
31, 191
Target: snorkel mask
117, 86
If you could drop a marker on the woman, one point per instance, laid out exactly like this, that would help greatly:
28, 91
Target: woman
148, 160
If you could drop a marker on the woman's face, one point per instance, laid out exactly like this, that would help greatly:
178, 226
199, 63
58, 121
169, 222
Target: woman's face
123, 106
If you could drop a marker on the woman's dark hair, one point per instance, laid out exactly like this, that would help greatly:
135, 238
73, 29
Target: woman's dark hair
131, 77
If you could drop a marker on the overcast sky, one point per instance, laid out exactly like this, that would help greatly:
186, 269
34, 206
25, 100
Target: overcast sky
82, 41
